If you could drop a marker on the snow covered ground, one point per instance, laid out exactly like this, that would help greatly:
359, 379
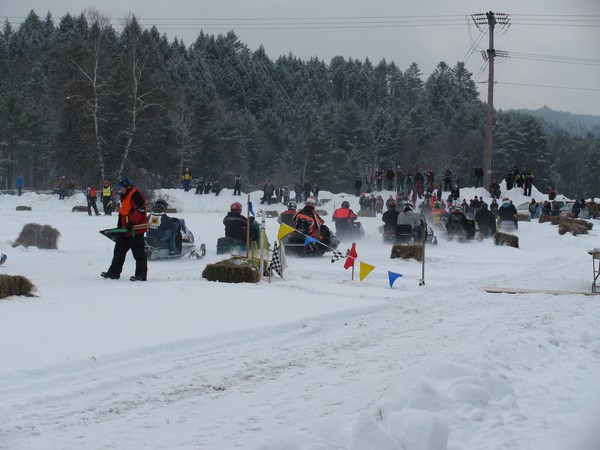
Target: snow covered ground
318, 361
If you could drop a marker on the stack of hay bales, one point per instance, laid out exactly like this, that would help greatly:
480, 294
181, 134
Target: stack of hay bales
552, 219
233, 270
573, 226
23, 208
523, 217
40, 236
15, 285
407, 251
79, 208
506, 239
366, 213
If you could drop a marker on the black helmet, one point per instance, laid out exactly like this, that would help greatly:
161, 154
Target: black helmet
291, 205
160, 205
345, 204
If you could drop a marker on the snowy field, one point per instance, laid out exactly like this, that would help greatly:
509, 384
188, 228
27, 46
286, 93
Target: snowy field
316, 362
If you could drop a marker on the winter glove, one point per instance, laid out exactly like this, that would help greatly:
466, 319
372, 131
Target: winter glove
129, 226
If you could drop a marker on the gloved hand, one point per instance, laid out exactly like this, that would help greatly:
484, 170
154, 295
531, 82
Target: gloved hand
129, 226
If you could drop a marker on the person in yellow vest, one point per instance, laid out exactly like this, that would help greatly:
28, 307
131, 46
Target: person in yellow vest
187, 179
107, 198
134, 222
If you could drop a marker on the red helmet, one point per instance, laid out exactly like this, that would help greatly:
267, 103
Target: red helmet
236, 207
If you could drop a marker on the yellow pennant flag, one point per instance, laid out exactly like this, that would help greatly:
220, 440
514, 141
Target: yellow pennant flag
284, 230
365, 269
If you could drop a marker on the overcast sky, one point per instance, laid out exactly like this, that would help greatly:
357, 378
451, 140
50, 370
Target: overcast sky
553, 45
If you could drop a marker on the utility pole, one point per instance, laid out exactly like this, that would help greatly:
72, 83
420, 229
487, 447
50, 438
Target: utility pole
491, 20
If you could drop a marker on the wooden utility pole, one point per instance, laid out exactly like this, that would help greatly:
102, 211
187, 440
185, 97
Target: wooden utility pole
491, 20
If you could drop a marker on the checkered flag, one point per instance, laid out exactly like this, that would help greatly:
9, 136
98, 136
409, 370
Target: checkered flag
336, 256
278, 263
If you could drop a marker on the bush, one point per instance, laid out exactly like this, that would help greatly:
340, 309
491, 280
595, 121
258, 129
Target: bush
40, 236
506, 239
407, 251
23, 208
15, 285
233, 270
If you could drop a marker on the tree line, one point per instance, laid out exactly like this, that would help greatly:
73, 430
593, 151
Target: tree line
78, 98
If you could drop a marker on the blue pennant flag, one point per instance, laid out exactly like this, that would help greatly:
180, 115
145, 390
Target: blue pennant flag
250, 209
393, 276
309, 240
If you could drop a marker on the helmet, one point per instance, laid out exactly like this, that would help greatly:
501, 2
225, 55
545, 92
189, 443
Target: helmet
345, 204
236, 207
391, 204
291, 205
458, 208
124, 182
310, 201
106, 183
160, 205
408, 203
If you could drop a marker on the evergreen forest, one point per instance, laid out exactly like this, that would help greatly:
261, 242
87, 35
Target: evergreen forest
80, 99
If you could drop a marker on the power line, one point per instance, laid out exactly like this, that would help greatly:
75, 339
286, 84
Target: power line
546, 86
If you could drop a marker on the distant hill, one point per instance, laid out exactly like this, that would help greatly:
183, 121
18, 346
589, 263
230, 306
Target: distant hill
576, 124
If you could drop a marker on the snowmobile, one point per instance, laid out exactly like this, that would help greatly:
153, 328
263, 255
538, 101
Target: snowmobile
461, 230
350, 231
404, 234
184, 241
295, 243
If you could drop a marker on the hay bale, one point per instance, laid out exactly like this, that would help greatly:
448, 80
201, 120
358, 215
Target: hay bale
521, 217
506, 239
366, 213
233, 270
554, 220
79, 208
23, 208
570, 226
584, 223
15, 285
171, 210
407, 251
321, 212
40, 236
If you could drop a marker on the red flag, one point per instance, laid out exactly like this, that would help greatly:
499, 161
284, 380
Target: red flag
352, 255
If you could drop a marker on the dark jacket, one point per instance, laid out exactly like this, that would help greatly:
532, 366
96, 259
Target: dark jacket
235, 226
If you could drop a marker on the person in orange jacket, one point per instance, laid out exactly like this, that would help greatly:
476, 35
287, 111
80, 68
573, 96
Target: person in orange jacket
133, 218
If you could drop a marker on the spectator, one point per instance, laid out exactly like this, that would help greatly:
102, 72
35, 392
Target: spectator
20, 182
187, 179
